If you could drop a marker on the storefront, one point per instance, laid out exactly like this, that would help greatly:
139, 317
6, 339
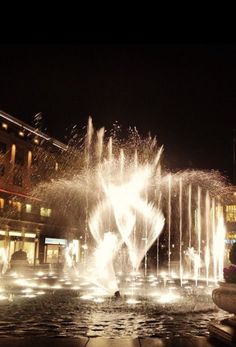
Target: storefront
13, 240
56, 250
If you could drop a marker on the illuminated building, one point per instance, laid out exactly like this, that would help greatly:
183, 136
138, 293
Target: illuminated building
230, 219
27, 157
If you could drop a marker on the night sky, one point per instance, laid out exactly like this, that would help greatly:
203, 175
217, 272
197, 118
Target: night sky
184, 94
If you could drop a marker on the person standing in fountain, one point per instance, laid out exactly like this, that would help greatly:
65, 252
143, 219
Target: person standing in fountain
117, 294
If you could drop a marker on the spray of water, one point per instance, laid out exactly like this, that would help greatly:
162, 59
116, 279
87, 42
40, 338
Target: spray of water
117, 191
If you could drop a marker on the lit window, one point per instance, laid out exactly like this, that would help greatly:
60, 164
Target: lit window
16, 205
231, 213
56, 166
4, 126
45, 212
1, 203
13, 153
28, 208
29, 159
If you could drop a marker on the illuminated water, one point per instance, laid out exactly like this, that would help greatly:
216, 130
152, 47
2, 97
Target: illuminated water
52, 305
125, 204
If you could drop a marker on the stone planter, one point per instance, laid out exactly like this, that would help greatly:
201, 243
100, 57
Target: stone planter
225, 297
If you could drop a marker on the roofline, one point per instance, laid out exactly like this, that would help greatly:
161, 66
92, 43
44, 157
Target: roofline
33, 130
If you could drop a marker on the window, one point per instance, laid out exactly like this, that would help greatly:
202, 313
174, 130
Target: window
16, 205
28, 208
17, 179
45, 212
35, 179
1, 203
19, 159
3, 147
231, 213
2, 169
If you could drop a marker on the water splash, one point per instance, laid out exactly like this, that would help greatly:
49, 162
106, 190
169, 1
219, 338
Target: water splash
117, 190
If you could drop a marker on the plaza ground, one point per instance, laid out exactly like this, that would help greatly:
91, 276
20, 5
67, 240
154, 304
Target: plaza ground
106, 342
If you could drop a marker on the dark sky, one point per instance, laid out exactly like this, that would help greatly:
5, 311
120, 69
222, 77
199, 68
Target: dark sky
185, 94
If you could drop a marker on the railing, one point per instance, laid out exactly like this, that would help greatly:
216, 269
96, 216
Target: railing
30, 217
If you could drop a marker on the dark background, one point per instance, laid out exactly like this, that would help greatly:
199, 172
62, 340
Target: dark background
184, 94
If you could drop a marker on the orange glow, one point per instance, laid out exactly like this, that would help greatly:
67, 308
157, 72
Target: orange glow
13, 154
29, 159
1, 203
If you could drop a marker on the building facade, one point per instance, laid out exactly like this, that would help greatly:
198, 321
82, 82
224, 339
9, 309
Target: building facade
28, 157
230, 219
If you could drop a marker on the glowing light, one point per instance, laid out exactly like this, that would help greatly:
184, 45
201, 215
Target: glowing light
153, 284
40, 273
99, 291
168, 298
86, 297
132, 301
21, 282
3, 297
99, 300
27, 290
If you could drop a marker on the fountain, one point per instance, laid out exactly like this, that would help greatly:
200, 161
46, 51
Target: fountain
150, 237
127, 201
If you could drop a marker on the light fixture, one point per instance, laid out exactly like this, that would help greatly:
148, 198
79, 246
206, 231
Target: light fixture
36, 141
21, 133
4, 126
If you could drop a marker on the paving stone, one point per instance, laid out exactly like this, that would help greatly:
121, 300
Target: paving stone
191, 341
43, 342
153, 342
106, 342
